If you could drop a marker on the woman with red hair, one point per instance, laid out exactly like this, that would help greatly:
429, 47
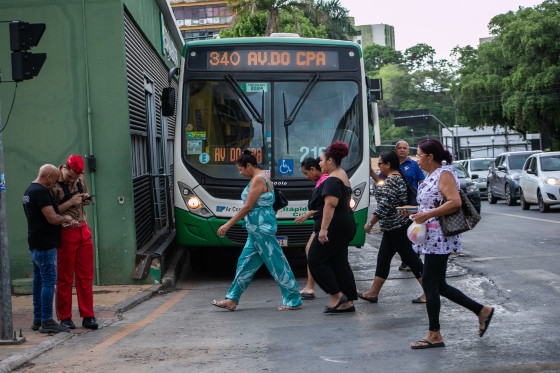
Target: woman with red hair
334, 228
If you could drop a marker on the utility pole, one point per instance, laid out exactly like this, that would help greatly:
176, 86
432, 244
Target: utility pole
6, 326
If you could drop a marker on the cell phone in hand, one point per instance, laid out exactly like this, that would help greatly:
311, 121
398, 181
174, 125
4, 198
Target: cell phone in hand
412, 209
89, 197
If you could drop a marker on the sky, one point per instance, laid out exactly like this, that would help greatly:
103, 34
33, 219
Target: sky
442, 24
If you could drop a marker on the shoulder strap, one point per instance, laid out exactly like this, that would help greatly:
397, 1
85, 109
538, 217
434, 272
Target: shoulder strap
266, 181
66, 190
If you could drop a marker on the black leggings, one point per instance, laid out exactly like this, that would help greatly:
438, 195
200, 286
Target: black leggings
328, 264
396, 241
433, 282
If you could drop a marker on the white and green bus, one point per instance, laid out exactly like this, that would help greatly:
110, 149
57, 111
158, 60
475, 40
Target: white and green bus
285, 98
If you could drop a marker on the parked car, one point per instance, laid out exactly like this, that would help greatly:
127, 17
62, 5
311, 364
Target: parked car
478, 169
503, 176
540, 181
467, 185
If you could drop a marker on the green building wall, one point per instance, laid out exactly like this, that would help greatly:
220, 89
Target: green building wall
78, 104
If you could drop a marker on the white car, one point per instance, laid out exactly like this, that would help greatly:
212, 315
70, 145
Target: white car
478, 169
540, 181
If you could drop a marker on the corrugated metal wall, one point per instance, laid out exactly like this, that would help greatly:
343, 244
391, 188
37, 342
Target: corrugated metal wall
152, 182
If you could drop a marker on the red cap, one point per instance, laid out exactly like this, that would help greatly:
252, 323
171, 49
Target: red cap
76, 164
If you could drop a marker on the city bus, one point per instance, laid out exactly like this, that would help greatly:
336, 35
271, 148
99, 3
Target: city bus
285, 98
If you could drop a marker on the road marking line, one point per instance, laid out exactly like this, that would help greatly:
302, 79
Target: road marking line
133, 327
333, 360
550, 278
512, 257
522, 217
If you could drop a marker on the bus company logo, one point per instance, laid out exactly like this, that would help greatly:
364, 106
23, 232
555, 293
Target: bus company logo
220, 208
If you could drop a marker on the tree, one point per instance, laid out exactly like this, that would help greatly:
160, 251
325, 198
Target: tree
515, 80
420, 56
272, 9
255, 25
339, 25
377, 56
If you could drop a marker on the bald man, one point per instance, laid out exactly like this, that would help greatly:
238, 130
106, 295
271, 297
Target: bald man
44, 231
412, 172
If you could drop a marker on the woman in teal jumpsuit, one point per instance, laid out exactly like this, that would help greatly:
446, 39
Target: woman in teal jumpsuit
262, 245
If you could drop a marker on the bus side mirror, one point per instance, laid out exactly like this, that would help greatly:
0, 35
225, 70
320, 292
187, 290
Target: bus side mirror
168, 101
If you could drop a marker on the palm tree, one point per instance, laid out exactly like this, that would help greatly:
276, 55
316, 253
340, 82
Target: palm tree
273, 8
330, 12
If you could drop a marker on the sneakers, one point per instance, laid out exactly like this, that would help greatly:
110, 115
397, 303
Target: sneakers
51, 326
36, 325
68, 323
90, 323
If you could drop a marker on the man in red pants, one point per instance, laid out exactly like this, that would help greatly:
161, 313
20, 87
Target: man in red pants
75, 255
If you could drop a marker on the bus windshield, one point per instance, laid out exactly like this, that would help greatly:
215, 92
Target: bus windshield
218, 125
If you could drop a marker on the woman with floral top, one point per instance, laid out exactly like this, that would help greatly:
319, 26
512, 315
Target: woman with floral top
441, 181
394, 226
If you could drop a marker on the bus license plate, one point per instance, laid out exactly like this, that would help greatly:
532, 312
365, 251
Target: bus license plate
283, 241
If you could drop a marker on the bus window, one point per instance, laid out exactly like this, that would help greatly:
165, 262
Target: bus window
218, 127
330, 113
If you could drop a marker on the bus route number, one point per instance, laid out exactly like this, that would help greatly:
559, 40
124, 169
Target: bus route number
310, 152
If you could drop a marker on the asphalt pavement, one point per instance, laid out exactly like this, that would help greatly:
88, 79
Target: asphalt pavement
511, 262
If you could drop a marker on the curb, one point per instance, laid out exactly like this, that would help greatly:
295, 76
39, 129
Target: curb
16, 361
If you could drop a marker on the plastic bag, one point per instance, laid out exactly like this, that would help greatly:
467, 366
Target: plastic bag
416, 233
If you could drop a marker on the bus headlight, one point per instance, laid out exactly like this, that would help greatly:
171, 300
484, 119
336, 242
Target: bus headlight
193, 203
357, 194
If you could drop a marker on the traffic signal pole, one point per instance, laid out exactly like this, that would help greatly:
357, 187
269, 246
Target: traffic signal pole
25, 66
7, 335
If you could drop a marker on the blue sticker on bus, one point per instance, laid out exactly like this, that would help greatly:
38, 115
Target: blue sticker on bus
285, 166
204, 158
220, 208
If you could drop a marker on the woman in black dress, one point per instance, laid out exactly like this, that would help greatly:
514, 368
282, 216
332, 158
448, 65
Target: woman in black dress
334, 229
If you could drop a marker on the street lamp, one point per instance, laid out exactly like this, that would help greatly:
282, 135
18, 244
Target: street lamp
456, 140
492, 138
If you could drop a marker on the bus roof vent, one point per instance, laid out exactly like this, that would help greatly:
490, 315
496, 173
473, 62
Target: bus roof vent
283, 35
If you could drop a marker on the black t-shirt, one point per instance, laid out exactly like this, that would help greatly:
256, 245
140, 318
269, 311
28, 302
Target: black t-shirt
41, 235
335, 187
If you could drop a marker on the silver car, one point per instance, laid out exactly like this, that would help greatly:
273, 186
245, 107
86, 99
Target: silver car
540, 181
478, 169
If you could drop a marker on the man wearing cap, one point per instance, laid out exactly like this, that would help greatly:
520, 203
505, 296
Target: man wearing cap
75, 255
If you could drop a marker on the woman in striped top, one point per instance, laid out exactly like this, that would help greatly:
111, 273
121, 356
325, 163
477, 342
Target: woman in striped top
394, 226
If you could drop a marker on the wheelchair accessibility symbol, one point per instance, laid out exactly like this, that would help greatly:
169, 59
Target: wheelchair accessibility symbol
285, 166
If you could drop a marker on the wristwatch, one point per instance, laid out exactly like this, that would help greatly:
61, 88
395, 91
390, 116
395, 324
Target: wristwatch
369, 223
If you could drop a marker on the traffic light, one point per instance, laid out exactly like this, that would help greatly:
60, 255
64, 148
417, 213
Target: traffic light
24, 36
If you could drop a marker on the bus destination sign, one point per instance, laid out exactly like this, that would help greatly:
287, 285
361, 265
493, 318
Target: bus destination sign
239, 59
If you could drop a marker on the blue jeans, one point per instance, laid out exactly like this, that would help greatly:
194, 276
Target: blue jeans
44, 278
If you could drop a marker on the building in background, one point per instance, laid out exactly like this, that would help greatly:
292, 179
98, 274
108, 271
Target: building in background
379, 34
486, 142
201, 19
98, 96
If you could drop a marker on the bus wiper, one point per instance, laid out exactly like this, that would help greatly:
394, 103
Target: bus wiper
254, 112
237, 89
289, 119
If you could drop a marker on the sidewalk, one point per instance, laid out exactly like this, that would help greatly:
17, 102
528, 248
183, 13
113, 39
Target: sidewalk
109, 302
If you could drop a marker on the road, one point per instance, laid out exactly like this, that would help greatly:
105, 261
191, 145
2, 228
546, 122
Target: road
512, 262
